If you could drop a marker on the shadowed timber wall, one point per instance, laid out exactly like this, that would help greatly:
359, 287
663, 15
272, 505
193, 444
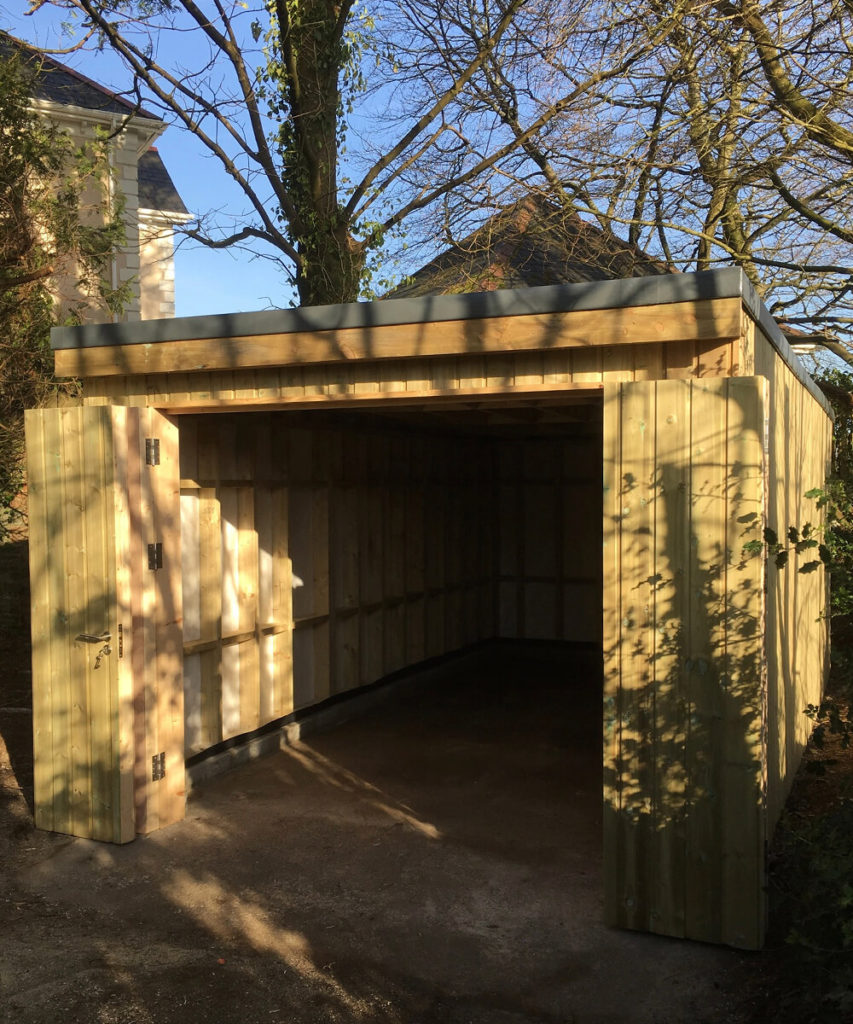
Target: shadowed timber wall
549, 511
685, 824
797, 626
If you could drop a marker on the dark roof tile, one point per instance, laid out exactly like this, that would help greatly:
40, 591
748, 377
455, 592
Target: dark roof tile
59, 84
156, 189
530, 243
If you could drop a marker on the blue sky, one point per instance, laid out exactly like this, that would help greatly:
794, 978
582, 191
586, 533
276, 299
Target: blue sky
206, 281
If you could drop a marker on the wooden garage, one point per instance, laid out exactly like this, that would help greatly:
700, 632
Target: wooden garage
250, 515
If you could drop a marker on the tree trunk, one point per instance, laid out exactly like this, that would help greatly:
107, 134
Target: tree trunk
314, 56
331, 264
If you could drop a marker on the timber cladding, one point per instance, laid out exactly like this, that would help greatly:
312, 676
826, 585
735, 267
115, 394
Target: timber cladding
480, 378
537, 340
281, 508
684, 667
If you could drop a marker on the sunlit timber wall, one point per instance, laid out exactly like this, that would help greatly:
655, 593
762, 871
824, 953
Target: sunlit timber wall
797, 621
684, 814
711, 651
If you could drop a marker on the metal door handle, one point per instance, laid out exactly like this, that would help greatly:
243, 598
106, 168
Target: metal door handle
91, 638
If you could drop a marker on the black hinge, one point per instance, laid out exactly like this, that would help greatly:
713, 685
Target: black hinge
155, 556
158, 766
152, 451
120, 640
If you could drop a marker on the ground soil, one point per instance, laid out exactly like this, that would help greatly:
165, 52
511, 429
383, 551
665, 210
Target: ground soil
436, 861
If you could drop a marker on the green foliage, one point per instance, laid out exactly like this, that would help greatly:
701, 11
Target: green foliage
837, 499
43, 236
800, 540
813, 904
830, 720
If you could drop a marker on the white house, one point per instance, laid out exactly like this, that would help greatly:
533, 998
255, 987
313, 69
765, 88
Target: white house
153, 207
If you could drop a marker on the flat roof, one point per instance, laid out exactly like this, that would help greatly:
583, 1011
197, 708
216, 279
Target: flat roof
556, 298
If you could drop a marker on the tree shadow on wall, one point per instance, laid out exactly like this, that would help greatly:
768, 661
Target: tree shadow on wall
684, 702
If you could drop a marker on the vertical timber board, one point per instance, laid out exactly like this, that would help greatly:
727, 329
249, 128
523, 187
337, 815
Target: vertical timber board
158, 627
48, 631
210, 614
230, 609
672, 588
704, 655
282, 606
77, 432
100, 596
265, 618
510, 495
124, 829
191, 597
167, 509
684, 759
742, 778
248, 579
394, 586
80, 712
344, 586
611, 651
137, 644
321, 588
371, 554
639, 486
415, 567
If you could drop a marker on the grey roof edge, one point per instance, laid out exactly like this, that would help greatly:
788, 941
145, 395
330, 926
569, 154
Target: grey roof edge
557, 298
762, 316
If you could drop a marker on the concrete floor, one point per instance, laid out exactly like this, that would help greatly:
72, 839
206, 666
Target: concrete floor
435, 860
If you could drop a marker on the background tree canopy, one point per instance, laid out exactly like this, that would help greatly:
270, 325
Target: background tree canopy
707, 133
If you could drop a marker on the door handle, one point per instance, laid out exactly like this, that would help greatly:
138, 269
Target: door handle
101, 638
91, 638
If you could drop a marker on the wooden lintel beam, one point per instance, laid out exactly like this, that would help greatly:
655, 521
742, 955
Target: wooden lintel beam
412, 401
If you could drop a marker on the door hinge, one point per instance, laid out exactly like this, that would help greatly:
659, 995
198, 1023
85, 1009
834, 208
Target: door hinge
155, 556
152, 451
158, 766
120, 640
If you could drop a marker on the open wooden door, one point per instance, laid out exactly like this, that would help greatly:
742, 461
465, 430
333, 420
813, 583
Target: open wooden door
684, 702
104, 515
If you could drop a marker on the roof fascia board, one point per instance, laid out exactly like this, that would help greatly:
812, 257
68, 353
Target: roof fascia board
563, 298
149, 128
164, 216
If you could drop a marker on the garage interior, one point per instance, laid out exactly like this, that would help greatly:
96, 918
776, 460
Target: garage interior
386, 539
